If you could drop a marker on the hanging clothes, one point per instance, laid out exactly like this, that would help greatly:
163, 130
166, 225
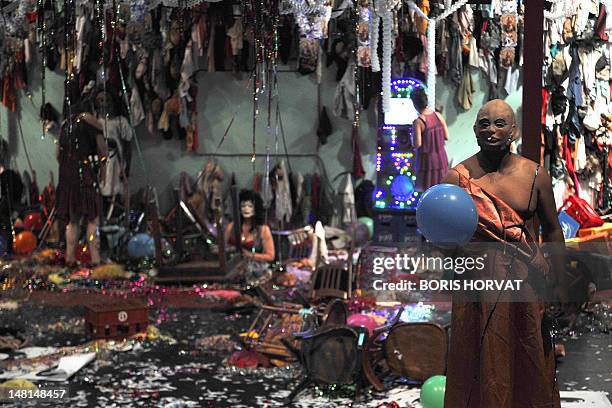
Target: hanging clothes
455, 69
465, 93
358, 171
283, 208
344, 96
347, 199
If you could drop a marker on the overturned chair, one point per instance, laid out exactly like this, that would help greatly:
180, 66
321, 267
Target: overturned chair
330, 355
416, 351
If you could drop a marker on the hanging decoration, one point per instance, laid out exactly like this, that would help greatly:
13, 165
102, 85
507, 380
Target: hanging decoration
363, 36
386, 9
374, 29
509, 34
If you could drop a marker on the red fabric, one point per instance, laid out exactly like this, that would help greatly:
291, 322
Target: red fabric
358, 170
9, 93
600, 26
248, 359
545, 95
569, 162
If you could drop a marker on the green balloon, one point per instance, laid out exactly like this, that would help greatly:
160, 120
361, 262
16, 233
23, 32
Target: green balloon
368, 222
432, 392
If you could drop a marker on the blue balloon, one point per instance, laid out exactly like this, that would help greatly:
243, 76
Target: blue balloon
402, 187
141, 246
447, 215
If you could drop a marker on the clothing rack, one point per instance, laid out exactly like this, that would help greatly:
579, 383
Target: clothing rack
320, 162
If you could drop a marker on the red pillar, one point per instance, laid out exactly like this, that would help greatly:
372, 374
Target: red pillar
532, 79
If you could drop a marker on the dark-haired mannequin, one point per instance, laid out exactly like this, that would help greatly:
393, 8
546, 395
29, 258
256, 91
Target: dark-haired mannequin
256, 237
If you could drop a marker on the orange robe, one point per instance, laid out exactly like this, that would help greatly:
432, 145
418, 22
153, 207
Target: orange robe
512, 368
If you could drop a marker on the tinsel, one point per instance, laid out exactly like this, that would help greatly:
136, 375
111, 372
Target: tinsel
374, 27
387, 21
42, 34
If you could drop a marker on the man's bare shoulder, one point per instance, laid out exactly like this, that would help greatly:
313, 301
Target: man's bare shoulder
523, 164
468, 167
464, 168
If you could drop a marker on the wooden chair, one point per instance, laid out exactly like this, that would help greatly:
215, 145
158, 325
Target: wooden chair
331, 281
412, 350
224, 267
263, 337
294, 244
330, 355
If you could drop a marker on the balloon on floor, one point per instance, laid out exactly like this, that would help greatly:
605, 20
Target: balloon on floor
447, 215
33, 221
368, 222
24, 243
141, 246
432, 392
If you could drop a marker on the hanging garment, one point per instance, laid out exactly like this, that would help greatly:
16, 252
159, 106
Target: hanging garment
588, 60
344, 97
574, 88
210, 53
424, 58
364, 199
324, 130
455, 53
319, 252
347, 199
283, 209
474, 60
209, 187
136, 107
118, 134
358, 171
307, 202
512, 80
235, 33
465, 93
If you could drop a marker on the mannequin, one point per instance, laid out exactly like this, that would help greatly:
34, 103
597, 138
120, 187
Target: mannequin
256, 237
82, 154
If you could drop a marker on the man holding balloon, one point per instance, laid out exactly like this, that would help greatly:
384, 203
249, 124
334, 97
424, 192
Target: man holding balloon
500, 353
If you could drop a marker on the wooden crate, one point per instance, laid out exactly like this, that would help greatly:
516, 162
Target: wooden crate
116, 318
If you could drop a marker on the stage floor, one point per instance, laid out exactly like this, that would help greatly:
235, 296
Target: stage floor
161, 374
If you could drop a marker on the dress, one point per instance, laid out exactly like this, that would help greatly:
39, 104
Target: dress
77, 190
253, 271
431, 160
514, 367
118, 133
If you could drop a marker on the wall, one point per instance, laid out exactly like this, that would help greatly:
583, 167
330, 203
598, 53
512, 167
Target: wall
220, 96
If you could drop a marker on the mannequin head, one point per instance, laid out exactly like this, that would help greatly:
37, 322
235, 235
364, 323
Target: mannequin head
495, 127
251, 207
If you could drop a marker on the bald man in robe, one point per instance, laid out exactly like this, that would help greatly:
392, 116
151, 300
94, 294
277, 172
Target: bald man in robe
501, 355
